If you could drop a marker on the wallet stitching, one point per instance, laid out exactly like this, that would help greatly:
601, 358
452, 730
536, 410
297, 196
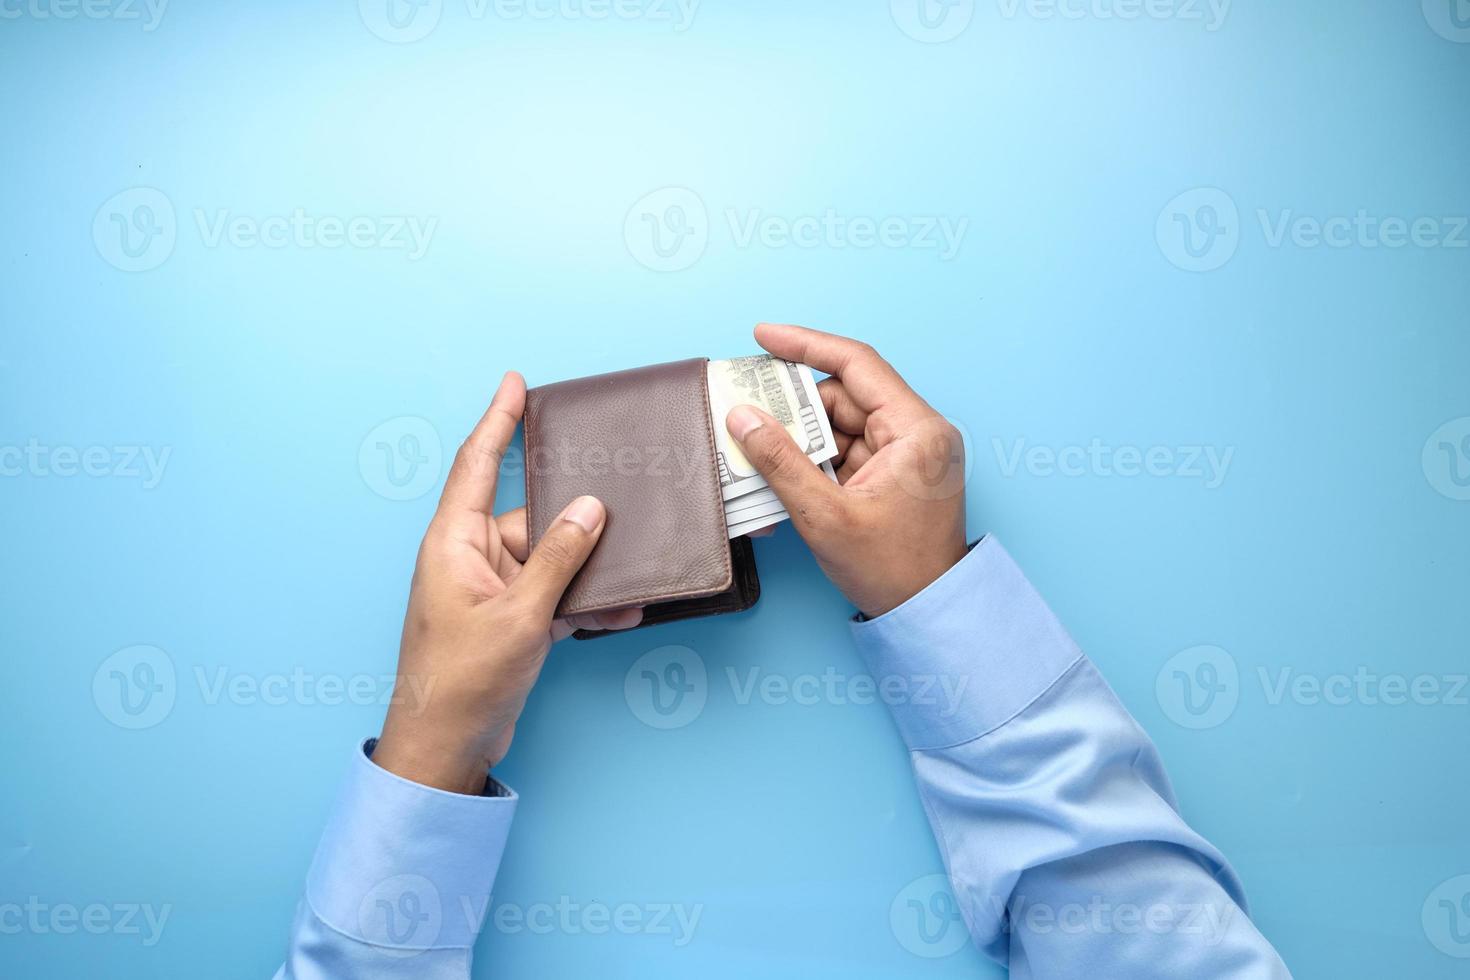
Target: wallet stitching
709, 434
532, 411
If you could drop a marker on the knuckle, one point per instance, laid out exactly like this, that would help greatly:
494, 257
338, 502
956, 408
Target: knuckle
464, 457
772, 455
506, 416
866, 353
559, 550
946, 441
478, 453
954, 443
879, 430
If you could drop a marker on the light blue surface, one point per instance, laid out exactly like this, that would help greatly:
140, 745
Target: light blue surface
1335, 541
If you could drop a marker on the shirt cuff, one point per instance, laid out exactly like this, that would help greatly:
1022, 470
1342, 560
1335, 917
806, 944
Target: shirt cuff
407, 866
968, 653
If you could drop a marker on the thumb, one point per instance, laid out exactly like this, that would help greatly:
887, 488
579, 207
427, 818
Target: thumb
798, 482
560, 554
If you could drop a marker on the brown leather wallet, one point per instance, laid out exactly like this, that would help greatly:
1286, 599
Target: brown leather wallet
641, 441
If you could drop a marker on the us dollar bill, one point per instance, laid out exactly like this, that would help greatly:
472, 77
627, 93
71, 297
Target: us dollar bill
783, 389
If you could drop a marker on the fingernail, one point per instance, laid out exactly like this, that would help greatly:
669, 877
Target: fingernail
585, 512
743, 420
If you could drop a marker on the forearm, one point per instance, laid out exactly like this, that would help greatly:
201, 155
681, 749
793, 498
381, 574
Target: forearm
401, 881
1051, 807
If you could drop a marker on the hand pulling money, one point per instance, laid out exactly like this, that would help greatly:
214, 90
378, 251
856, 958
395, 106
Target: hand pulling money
788, 393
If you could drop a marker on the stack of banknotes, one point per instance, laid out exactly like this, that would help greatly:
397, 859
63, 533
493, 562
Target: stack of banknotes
788, 393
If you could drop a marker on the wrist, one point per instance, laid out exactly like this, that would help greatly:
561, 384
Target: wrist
443, 759
926, 572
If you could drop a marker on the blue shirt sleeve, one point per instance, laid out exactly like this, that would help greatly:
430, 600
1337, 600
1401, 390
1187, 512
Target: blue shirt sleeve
401, 881
1058, 827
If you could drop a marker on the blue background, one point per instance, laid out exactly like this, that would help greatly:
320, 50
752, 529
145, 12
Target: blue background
265, 549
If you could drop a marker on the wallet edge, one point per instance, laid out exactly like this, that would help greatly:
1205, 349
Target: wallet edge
744, 593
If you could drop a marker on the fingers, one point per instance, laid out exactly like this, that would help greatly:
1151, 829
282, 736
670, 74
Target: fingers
798, 482
868, 379
844, 443
514, 534
559, 555
618, 619
622, 619
879, 428
470, 486
845, 414
856, 457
